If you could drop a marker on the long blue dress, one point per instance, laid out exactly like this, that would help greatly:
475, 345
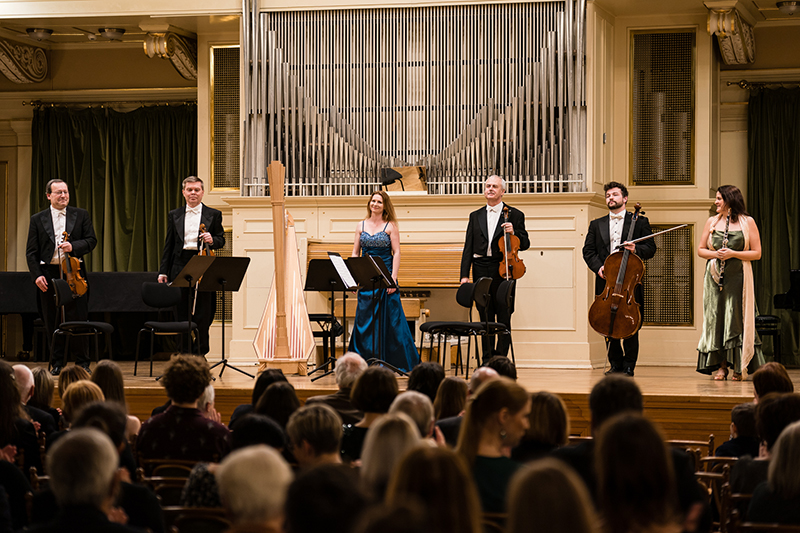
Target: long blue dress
396, 343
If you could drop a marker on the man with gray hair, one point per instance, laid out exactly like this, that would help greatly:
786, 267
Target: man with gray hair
84, 476
348, 368
418, 407
482, 253
450, 427
26, 386
253, 483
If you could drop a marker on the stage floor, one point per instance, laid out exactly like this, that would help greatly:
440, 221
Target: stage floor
687, 405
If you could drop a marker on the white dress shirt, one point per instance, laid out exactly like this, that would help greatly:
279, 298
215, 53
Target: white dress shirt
59, 227
492, 217
191, 226
615, 225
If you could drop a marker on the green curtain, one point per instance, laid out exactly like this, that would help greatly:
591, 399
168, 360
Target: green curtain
773, 190
126, 169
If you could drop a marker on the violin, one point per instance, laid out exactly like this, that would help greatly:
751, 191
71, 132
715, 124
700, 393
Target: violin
615, 313
511, 267
71, 270
205, 248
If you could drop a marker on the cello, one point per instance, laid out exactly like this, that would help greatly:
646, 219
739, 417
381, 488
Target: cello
615, 313
71, 270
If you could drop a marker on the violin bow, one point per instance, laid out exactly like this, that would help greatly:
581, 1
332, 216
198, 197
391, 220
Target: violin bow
640, 239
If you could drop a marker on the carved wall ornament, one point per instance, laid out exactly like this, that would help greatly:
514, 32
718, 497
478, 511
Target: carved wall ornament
180, 50
735, 36
22, 63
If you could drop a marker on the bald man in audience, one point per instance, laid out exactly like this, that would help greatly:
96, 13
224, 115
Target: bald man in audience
348, 368
450, 427
26, 386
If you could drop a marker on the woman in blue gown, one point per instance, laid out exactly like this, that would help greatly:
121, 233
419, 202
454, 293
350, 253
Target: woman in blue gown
378, 235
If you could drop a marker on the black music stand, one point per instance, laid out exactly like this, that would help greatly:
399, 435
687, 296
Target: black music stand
322, 276
225, 274
371, 270
187, 278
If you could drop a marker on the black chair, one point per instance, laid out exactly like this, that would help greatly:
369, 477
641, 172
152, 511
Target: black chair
162, 297
771, 325
77, 328
504, 297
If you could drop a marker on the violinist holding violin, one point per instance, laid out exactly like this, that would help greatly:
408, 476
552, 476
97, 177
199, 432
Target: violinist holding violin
483, 255
45, 251
605, 236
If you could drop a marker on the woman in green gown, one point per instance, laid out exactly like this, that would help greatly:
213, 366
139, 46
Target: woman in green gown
730, 242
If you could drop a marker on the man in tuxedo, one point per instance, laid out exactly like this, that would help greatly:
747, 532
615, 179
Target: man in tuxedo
44, 251
482, 253
606, 234
183, 242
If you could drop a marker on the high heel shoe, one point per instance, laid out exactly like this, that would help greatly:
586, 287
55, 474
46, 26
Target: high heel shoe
736, 376
721, 375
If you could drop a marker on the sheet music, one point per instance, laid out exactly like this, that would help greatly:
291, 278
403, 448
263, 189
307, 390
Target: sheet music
342, 270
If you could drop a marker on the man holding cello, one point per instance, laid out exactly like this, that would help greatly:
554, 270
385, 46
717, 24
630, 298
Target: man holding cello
483, 254
605, 236
45, 252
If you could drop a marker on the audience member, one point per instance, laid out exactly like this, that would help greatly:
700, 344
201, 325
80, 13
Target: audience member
16, 428
451, 427
419, 409
549, 494
182, 432
79, 394
451, 398
140, 504
43, 390
495, 421
389, 440
503, 366
348, 368
70, 375
425, 378
108, 376
636, 488
315, 433
26, 386
324, 498
549, 428
253, 483
771, 377
16, 485
743, 439
777, 500
278, 402
206, 404
84, 476
373, 394
264, 380
437, 479
398, 518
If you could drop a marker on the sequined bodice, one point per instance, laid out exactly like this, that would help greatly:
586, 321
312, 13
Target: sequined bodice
379, 245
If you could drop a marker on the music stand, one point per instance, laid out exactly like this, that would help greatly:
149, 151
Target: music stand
322, 276
225, 274
187, 278
371, 270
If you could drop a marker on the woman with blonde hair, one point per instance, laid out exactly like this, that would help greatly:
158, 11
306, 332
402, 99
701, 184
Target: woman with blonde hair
79, 394
378, 235
43, 389
495, 421
387, 442
549, 427
551, 495
777, 500
70, 375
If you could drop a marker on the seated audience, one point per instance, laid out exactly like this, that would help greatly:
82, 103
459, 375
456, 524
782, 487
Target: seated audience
398, 518
437, 479
373, 394
348, 368
425, 378
108, 376
743, 439
315, 433
278, 402
777, 500
503, 366
496, 420
771, 377
43, 390
70, 375
16, 427
635, 478
389, 440
253, 483
324, 498
419, 409
16, 486
86, 493
78, 395
549, 428
206, 404
26, 386
140, 504
182, 432
549, 494
451, 398
450, 427
264, 380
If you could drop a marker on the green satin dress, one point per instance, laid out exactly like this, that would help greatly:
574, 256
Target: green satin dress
723, 318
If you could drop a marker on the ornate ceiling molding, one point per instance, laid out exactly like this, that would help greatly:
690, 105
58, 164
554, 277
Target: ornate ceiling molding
735, 36
22, 63
180, 50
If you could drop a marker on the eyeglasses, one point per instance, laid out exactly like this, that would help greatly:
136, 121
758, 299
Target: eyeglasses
59, 193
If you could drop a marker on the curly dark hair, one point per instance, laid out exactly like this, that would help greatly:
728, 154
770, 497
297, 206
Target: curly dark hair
374, 390
186, 378
616, 185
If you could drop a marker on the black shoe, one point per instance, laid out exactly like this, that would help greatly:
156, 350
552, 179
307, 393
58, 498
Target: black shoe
56, 370
628, 372
86, 367
613, 370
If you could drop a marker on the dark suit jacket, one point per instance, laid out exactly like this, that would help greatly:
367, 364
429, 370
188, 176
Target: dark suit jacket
171, 263
478, 236
45, 419
598, 241
340, 402
41, 240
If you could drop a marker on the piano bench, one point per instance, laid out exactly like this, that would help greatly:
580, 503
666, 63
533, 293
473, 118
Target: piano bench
771, 325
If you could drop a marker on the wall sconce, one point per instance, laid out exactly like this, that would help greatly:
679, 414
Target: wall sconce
788, 8
40, 34
114, 34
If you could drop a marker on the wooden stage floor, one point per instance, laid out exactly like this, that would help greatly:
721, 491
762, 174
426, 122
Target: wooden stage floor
686, 405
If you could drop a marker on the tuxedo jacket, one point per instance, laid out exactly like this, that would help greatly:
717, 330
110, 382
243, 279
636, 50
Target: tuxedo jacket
171, 263
478, 237
42, 241
597, 246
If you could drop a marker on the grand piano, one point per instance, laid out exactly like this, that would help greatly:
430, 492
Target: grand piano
790, 299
